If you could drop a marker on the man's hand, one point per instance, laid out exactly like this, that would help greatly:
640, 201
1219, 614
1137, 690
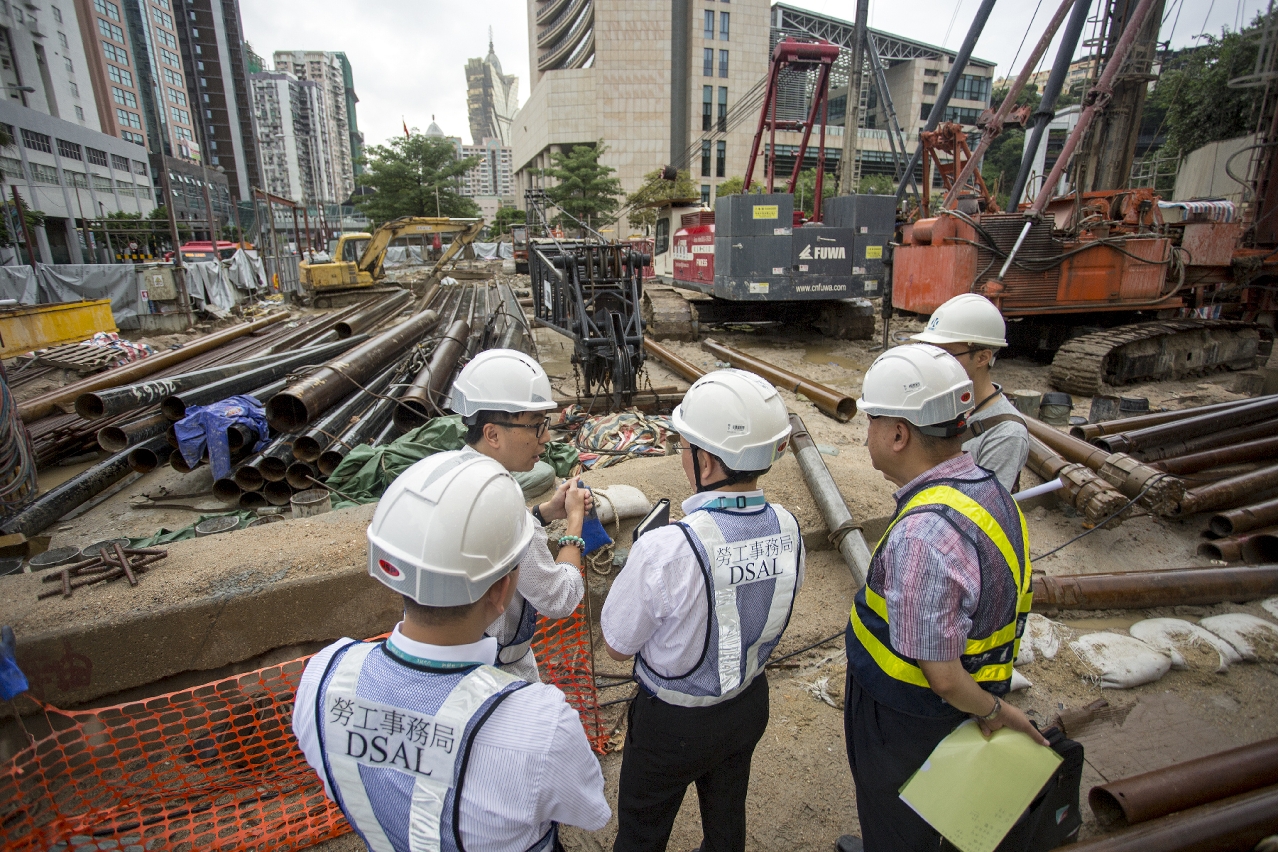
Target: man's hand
952, 682
576, 504
1012, 717
554, 509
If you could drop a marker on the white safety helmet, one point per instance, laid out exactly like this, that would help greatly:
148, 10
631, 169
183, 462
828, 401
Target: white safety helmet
500, 380
448, 528
737, 416
922, 384
969, 318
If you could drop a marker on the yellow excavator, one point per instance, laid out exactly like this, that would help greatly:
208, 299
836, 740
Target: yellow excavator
357, 257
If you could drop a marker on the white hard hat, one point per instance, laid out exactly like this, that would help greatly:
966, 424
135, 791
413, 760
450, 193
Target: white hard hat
737, 416
969, 318
448, 528
501, 380
920, 383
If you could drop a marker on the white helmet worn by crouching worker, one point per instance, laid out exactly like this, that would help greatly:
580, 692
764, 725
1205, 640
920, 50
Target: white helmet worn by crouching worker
500, 380
737, 416
447, 529
969, 318
923, 385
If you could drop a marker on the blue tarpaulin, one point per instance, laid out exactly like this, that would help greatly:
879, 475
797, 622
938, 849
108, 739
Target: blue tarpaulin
206, 425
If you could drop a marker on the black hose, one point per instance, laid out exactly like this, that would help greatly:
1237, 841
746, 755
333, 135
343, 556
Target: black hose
17, 455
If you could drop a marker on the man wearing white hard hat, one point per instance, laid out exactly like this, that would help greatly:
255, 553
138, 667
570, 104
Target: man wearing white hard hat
701, 605
971, 328
420, 740
934, 631
503, 396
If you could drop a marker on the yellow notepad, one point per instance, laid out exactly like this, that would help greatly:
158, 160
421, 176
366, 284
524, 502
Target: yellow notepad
973, 790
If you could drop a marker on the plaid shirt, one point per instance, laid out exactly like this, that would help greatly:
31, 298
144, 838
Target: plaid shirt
930, 576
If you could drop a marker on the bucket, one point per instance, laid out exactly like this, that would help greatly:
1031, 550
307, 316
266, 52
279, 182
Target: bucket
93, 550
1103, 408
53, 558
11, 565
1055, 409
314, 501
1026, 401
213, 526
1130, 406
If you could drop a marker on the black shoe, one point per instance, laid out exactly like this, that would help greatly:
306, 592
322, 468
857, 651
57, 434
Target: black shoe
849, 843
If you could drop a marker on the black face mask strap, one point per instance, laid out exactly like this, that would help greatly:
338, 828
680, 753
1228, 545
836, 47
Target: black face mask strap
732, 478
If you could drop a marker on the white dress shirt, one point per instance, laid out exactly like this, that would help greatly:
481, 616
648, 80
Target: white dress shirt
657, 604
530, 764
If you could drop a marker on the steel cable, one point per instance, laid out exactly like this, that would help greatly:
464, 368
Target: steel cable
17, 454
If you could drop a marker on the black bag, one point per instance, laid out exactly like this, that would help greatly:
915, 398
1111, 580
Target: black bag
1053, 818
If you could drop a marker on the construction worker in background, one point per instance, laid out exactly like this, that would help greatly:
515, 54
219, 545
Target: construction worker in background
971, 328
503, 396
933, 633
700, 605
418, 738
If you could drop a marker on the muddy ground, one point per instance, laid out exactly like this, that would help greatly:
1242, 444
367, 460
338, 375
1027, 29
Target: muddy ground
801, 794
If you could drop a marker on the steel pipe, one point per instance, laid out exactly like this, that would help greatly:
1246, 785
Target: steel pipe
301, 475
845, 532
1211, 441
425, 396
377, 416
1245, 518
44, 510
1257, 547
1227, 825
317, 331
1148, 589
253, 500
1141, 421
1228, 493
144, 459
1083, 488
1193, 427
308, 446
48, 403
1250, 451
300, 403
829, 401
250, 476
116, 438
277, 493
177, 461
227, 490
372, 315
678, 365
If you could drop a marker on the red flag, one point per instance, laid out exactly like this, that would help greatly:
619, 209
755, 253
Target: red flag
407, 135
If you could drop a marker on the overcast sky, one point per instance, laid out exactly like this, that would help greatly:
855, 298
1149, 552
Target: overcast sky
409, 56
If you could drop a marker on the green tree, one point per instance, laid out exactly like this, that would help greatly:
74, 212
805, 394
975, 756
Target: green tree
585, 188
805, 189
1002, 162
507, 216
415, 176
654, 190
731, 186
876, 185
1029, 96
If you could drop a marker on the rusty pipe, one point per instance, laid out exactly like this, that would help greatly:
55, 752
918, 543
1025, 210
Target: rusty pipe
828, 401
317, 331
277, 493
256, 473
308, 446
1193, 427
1228, 493
1082, 487
48, 403
1147, 589
1225, 825
146, 458
1211, 441
425, 396
845, 532
372, 315
227, 490
116, 438
678, 365
1261, 450
298, 404
1255, 547
300, 475
1245, 518
1129, 424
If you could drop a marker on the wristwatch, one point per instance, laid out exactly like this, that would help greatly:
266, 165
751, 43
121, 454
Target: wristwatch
998, 707
536, 513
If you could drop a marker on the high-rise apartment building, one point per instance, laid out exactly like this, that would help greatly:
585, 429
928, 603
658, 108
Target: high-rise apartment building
292, 138
340, 133
494, 175
42, 61
165, 102
492, 98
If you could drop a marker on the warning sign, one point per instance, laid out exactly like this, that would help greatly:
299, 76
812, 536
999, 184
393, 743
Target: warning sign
765, 211
874, 252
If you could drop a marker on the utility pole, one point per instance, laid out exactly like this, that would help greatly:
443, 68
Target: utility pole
179, 270
26, 232
852, 113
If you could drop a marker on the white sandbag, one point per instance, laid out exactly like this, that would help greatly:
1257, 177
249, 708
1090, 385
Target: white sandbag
1042, 638
1188, 645
625, 501
1020, 681
1270, 606
1118, 662
1253, 638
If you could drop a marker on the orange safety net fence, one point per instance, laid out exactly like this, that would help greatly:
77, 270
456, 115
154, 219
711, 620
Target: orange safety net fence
211, 768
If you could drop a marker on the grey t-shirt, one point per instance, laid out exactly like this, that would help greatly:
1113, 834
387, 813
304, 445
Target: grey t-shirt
1004, 448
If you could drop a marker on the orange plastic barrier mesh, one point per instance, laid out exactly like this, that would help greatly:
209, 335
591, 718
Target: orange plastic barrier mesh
210, 768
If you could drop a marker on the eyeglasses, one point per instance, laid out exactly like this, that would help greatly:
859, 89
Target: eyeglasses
540, 427
964, 352
679, 448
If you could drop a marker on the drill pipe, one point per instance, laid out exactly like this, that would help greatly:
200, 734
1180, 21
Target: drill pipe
834, 403
316, 332
1083, 489
277, 493
251, 476
1211, 441
300, 475
116, 438
1148, 589
177, 461
844, 530
678, 365
372, 315
1245, 518
301, 402
227, 490
372, 421
175, 405
53, 504
1228, 493
308, 446
252, 500
1261, 450
46, 404
1226, 825
1140, 421
1255, 547
425, 396
1193, 427
144, 459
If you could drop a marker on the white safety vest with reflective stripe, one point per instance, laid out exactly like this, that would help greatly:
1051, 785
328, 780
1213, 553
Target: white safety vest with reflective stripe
734, 565
429, 748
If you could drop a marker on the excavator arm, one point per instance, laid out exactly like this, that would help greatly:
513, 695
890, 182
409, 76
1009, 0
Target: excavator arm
464, 238
375, 252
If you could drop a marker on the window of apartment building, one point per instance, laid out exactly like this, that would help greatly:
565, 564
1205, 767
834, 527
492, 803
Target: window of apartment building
79, 113
164, 19
172, 78
707, 62
66, 60
723, 26
199, 66
124, 188
57, 14
166, 38
721, 159
128, 119
76, 179
124, 97
94, 156
929, 89
973, 88
705, 195
121, 163
115, 54
705, 158
139, 167
111, 31
723, 109
135, 138
117, 75
925, 111
69, 150
41, 173
962, 115
176, 97
102, 184
180, 115
723, 63
75, 90
33, 141
62, 40
709, 27
707, 106
931, 72
11, 167
107, 8
163, 4
171, 58
183, 133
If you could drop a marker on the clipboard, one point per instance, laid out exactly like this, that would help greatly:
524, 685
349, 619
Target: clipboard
658, 517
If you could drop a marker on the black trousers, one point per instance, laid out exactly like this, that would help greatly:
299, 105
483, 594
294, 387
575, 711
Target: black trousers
669, 747
886, 747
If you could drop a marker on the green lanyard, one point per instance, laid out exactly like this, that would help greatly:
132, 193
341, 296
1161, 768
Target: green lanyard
412, 660
736, 502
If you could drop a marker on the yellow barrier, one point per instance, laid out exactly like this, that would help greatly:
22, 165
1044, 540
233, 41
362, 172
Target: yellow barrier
27, 328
